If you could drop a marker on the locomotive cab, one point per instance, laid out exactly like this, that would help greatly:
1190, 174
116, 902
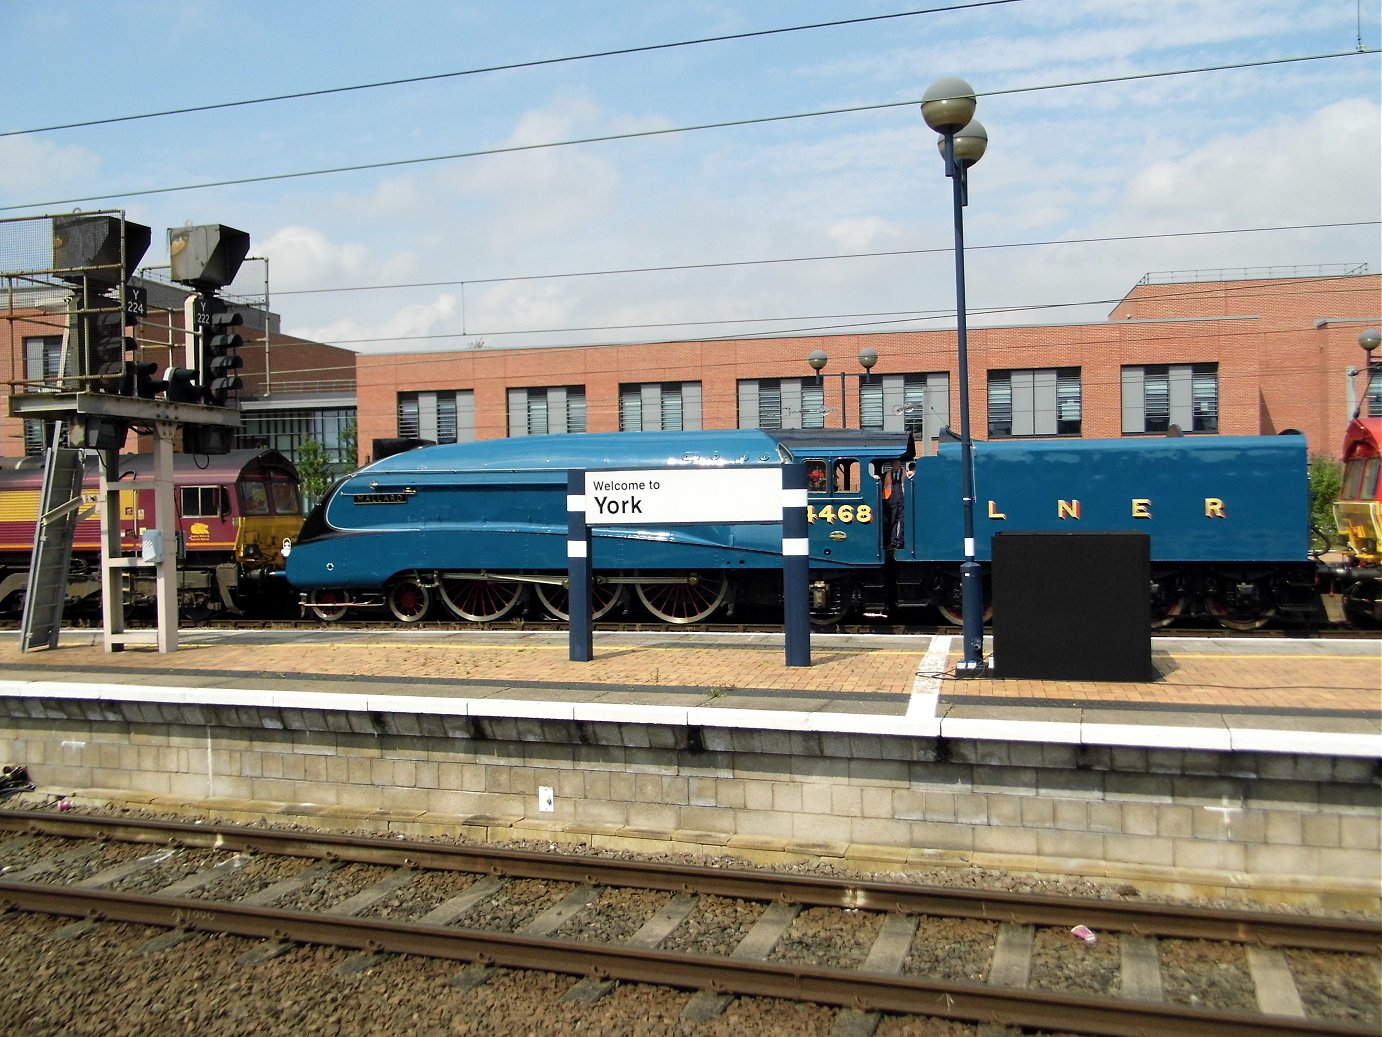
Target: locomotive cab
1358, 515
855, 496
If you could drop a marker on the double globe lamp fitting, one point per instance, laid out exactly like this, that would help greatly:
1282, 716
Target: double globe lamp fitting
948, 108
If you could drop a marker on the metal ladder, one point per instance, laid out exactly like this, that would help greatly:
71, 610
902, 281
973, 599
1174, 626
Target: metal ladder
59, 513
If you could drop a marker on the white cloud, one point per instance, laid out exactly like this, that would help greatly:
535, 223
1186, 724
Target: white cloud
400, 329
1322, 170
304, 258
32, 165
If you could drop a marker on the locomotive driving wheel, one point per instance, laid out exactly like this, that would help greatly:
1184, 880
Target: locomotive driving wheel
330, 605
409, 600
604, 598
686, 601
480, 599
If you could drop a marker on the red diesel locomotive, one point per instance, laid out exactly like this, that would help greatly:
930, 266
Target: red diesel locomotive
233, 514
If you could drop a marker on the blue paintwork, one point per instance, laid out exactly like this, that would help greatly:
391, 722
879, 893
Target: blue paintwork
500, 505
1262, 480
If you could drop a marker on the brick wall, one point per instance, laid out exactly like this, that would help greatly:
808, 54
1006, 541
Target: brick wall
1204, 821
1278, 370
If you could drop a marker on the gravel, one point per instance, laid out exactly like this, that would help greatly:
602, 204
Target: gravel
104, 984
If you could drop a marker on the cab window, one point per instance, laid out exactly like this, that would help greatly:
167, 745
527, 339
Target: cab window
256, 498
285, 498
840, 475
1371, 469
204, 501
846, 475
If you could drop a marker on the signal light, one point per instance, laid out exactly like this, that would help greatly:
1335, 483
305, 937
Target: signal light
104, 348
218, 358
146, 385
182, 386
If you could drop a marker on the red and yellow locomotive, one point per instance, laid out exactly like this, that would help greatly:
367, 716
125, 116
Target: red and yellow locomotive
1358, 514
233, 513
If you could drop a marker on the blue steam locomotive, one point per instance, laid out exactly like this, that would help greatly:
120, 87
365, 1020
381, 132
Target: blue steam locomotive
483, 526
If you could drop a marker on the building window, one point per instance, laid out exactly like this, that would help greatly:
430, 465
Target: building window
1159, 396
660, 407
782, 403
916, 403
42, 363
1373, 398
1043, 402
438, 417
537, 412
286, 430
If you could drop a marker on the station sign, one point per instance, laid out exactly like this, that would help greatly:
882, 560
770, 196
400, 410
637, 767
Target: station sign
657, 496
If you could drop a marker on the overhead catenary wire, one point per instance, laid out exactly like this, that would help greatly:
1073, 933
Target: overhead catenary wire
650, 370
876, 320
663, 132
512, 66
778, 260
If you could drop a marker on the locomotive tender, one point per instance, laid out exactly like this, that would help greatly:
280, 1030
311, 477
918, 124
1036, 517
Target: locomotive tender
482, 526
234, 512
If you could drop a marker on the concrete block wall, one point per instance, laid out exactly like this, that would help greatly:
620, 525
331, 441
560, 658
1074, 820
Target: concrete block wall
1301, 826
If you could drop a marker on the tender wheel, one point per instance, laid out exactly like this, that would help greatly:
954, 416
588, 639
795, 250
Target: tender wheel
330, 606
689, 602
1168, 603
950, 604
1241, 606
481, 600
605, 597
409, 600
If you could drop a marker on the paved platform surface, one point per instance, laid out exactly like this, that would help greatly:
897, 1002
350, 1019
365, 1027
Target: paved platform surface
1302, 695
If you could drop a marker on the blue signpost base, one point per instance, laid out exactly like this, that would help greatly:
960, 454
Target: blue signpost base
578, 571
796, 566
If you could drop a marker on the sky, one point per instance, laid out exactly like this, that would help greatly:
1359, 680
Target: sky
522, 192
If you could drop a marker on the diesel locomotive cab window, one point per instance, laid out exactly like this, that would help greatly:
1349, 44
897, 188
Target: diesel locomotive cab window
1361, 479
284, 497
256, 498
205, 501
270, 498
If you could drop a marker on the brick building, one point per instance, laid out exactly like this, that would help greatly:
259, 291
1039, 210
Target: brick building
294, 389
1245, 356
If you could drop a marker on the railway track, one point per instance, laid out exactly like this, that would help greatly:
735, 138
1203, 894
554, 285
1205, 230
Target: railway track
864, 947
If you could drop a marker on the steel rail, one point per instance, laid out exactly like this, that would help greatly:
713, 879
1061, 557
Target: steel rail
1145, 919
868, 991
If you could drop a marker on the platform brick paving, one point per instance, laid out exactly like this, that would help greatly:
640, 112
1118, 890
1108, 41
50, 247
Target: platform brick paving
538, 660
1222, 679
1272, 676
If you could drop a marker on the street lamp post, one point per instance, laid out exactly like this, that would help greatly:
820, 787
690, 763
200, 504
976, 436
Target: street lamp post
819, 358
948, 108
